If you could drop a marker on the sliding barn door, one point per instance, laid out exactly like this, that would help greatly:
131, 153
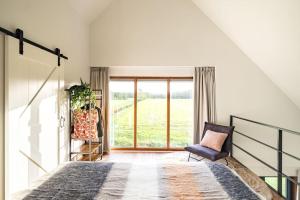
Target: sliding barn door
33, 127
63, 113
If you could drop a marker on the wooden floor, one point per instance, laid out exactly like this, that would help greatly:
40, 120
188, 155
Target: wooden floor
147, 156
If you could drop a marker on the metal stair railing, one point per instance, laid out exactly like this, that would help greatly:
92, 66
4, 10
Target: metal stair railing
279, 150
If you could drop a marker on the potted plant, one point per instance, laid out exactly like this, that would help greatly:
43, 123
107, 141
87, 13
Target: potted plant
81, 95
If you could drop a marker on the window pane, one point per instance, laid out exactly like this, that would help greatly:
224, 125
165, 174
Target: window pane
152, 114
181, 113
121, 113
272, 181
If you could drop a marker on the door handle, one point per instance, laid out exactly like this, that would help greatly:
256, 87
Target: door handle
62, 122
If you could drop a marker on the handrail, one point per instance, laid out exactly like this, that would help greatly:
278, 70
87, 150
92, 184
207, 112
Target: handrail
268, 165
279, 150
268, 125
267, 145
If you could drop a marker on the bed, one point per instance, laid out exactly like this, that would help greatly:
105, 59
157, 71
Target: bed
130, 181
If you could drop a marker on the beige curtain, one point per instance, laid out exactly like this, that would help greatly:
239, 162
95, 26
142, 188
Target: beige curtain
99, 80
204, 99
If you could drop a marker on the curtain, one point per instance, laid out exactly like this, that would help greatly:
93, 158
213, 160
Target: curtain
99, 80
204, 99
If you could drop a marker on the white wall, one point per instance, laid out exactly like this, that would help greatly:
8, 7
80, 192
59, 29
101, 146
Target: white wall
1, 116
271, 25
54, 24
177, 33
163, 71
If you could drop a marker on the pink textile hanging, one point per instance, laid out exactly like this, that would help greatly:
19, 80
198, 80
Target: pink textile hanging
84, 129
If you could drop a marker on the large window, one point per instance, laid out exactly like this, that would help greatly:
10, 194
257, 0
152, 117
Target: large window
122, 113
151, 113
181, 113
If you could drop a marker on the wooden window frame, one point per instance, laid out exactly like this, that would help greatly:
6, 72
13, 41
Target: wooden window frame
135, 79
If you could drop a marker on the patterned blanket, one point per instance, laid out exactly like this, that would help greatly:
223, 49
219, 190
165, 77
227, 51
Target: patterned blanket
111, 181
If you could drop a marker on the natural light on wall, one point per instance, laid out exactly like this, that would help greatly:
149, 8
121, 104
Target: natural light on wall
32, 142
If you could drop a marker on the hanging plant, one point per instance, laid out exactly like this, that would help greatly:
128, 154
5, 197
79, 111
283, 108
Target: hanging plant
81, 95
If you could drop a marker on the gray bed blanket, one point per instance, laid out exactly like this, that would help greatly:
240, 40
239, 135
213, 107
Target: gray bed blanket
159, 181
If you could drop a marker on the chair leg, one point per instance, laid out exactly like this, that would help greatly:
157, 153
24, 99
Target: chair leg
189, 157
194, 158
226, 162
200, 159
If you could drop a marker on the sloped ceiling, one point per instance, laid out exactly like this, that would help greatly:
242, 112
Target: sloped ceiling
268, 32
89, 9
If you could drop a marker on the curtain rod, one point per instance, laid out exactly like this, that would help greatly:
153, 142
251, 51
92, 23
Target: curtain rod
15, 35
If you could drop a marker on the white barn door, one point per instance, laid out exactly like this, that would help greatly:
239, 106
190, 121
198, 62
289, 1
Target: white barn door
33, 132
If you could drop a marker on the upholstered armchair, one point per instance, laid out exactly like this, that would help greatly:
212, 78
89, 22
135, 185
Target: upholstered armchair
209, 153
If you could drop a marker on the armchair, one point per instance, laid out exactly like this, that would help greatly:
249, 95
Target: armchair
209, 153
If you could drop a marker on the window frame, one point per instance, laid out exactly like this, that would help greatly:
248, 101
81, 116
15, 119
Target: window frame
141, 78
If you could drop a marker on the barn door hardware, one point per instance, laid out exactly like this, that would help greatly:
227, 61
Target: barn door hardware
57, 51
19, 34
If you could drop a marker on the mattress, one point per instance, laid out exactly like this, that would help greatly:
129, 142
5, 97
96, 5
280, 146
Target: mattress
153, 181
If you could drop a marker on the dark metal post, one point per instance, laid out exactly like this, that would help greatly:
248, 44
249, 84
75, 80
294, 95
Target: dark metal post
231, 120
279, 162
231, 124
